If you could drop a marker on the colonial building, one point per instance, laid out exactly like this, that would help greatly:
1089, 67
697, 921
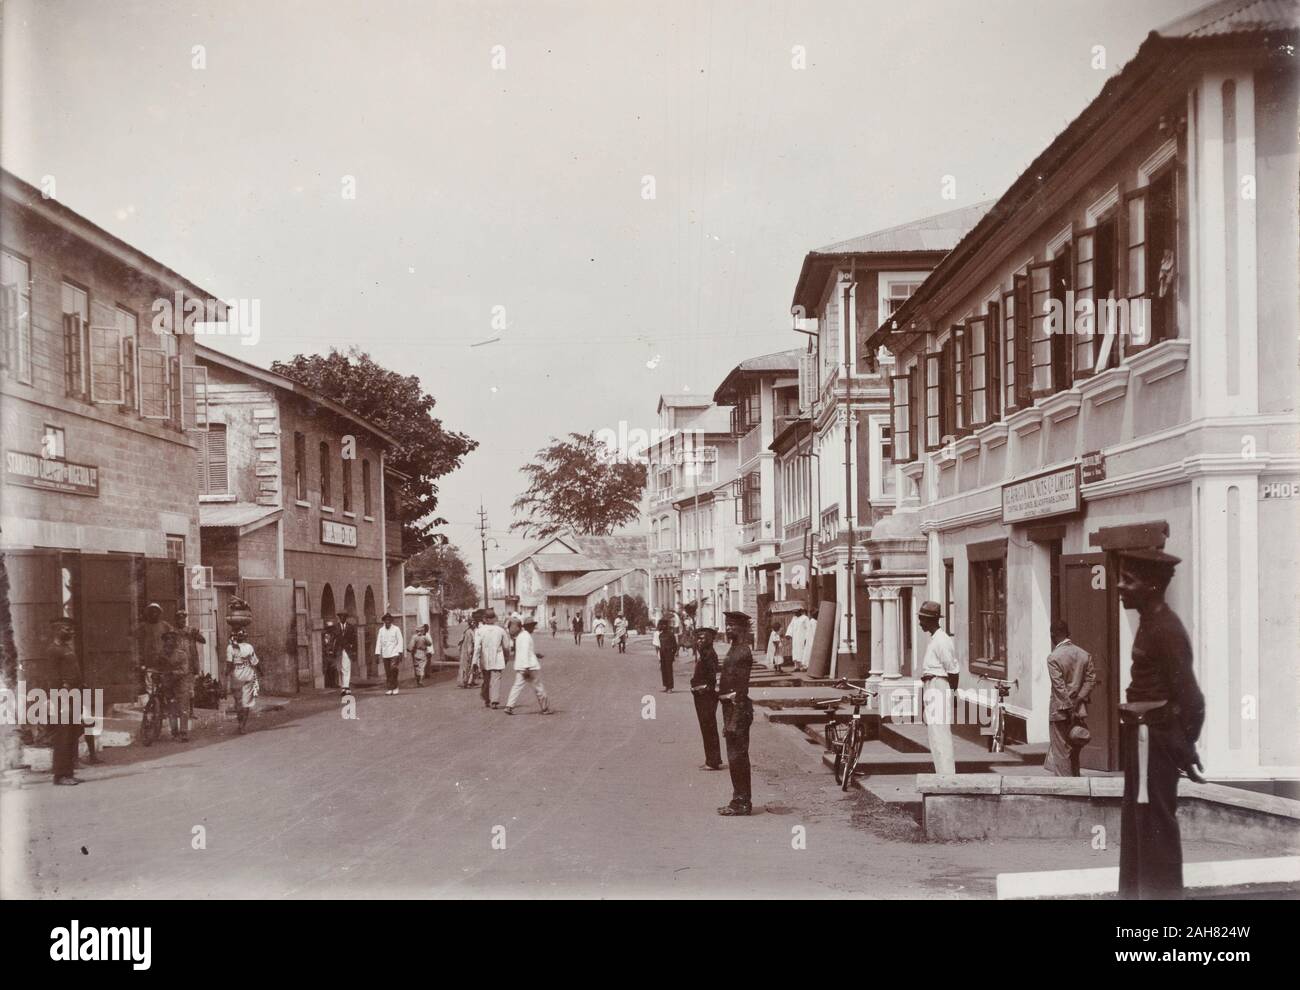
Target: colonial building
1109, 360
299, 517
763, 393
98, 400
845, 290
709, 571
569, 575
692, 451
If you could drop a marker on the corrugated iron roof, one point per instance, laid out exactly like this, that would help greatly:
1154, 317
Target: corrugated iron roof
234, 515
585, 585
550, 563
1234, 17
940, 232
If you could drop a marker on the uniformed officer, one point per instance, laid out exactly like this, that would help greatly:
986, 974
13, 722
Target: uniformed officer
704, 686
1159, 725
737, 712
65, 675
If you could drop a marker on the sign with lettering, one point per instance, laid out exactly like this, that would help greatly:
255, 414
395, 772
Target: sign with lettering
1055, 493
50, 474
1279, 489
338, 534
1093, 464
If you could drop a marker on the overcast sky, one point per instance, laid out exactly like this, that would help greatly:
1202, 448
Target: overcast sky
522, 187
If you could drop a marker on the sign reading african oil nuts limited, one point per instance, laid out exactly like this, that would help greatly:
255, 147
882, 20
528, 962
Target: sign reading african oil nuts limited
1055, 493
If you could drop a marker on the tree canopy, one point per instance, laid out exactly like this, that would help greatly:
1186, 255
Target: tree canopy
399, 406
575, 485
444, 563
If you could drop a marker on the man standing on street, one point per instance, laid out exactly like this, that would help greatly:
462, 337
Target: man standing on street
527, 669
737, 712
1073, 678
490, 656
1159, 725
620, 634
65, 676
598, 627
347, 638
421, 648
577, 629
667, 653
938, 670
465, 673
704, 686
388, 647
798, 638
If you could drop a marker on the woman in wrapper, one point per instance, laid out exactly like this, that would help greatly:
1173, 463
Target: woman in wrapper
241, 663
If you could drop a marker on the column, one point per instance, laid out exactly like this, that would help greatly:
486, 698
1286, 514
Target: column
877, 635
893, 641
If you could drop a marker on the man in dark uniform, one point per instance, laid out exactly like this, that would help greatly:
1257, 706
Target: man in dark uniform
704, 686
667, 652
65, 675
1159, 725
737, 712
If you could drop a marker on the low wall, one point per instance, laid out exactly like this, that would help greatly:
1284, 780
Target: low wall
998, 806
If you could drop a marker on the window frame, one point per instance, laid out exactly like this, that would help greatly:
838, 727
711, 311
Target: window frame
76, 360
993, 359
933, 402
987, 562
905, 432
1041, 351
17, 350
976, 331
326, 482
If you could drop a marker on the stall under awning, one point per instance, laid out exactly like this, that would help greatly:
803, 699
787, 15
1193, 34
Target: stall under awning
242, 516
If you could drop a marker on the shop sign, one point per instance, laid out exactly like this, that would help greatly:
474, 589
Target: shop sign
1269, 490
1093, 465
1055, 493
50, 474
338, 534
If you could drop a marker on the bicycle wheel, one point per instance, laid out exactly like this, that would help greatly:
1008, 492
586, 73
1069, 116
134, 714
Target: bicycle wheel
998, 737
151, 721
852, 750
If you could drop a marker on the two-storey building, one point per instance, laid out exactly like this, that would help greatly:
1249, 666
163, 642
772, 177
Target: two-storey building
300, 517
98, 400
1109, 360
843, 293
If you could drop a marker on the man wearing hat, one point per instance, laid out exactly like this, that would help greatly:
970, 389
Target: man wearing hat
388, 647
704, 686
939, 671
1160, 722
737, 712
151, 636
490, 657
465, 674
1072, 675
527, 669
65, 675
346, 640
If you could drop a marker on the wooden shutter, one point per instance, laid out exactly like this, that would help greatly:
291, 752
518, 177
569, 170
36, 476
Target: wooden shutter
807, 380
1024, 376
1062, 336
1136, 270
1106, 294
8, 324
933, 400
128, 372
72, 370
214, 471
947, 376
900, 417
993, 360
960, 381
106, 374
175, 392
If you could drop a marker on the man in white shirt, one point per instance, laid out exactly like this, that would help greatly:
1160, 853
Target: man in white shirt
527, 670
490, 657
939, 669
798, 633
809, 635
389, 648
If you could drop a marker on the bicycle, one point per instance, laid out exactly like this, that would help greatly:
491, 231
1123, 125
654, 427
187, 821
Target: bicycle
155, 707
845, 734
998, 737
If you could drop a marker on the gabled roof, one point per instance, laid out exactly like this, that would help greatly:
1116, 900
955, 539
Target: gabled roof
589, 552
533, 549
583, 586
552, 563
1268, 26
776, 364
682, 400
208, 354
925, 240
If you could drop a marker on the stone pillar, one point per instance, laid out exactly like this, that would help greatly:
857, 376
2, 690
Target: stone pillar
877, 635
893, 643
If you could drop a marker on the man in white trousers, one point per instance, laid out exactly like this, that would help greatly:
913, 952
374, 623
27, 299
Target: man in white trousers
527, 670
346, 639
938, 679
798, 633
490, 658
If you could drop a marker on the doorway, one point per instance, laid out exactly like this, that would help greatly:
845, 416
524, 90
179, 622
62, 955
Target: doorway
1089, 604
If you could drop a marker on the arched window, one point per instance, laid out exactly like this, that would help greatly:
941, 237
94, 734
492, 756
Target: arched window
326, 496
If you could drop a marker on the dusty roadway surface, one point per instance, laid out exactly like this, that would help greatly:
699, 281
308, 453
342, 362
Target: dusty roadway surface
407, 800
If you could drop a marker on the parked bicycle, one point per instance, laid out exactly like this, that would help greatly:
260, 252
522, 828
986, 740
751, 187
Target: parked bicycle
845, 733
156, 705
998, 737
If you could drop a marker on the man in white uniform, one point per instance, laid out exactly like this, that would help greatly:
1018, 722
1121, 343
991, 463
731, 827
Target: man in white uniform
938, 672
527, 670
389, 649
490, 656
809, 636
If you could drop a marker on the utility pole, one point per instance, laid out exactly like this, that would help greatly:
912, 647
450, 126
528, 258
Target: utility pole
482, 534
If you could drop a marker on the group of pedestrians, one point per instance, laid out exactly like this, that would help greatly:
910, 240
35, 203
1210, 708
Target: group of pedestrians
725, 684
486, 647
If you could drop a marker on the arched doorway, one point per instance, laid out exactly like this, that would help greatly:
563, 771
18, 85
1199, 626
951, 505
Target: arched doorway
354, 644
328, 647
372, 627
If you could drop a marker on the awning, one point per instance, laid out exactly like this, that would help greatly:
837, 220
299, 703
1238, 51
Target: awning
243, 516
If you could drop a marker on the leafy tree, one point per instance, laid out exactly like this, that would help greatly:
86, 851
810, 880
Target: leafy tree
575, 486
397, 404
444, 563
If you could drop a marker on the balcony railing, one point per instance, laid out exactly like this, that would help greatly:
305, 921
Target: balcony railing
751, 444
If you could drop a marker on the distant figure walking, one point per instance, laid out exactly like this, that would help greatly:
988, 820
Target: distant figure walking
347, 638
620, 634
598, 627
465, 675
388, 647
667, 653
421, 648
774, 647
555, 626
241, 665
577, 629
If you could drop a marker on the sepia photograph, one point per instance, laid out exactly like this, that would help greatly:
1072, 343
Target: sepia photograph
611, 450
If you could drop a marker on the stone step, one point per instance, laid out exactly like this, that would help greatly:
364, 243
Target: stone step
879, 758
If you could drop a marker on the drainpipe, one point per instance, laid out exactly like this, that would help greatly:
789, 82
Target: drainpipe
383, 527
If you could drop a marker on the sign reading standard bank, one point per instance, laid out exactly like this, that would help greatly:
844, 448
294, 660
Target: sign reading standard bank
50, 474
1055, 493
